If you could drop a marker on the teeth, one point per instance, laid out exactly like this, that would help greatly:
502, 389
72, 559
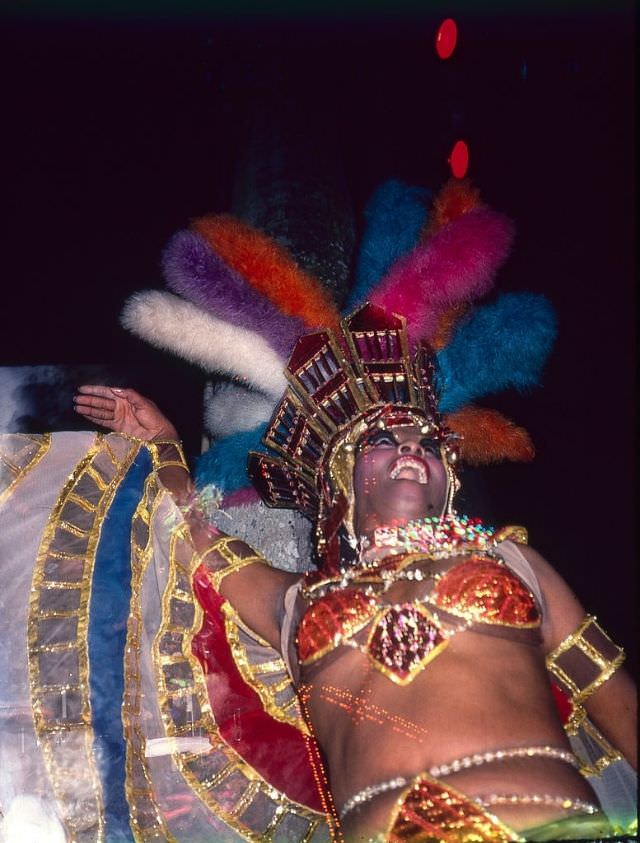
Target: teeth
415, 465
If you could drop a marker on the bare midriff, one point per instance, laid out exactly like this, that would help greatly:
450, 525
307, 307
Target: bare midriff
482, 693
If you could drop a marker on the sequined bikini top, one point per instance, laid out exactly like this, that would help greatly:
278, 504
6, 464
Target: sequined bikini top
480, 593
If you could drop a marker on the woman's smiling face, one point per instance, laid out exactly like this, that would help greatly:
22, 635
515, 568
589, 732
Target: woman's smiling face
398, 476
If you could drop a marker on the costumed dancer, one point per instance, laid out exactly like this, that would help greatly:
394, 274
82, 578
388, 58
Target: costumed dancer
419, 645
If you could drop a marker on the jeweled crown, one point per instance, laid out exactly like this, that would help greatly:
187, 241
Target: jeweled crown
339, 386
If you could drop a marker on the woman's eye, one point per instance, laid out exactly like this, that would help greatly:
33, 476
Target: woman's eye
429, 446
383, 438
379, 439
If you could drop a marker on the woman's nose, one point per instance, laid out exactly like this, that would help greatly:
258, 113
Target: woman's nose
410, 447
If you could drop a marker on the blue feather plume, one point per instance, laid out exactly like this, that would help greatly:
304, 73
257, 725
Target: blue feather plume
395, 216
501, 345
225, 463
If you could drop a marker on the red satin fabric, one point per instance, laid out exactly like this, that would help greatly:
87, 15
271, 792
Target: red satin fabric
278, 751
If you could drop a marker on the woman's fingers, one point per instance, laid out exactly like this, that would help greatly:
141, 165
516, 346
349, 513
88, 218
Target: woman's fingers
92, 394
96, 403
103, 407
101, 418
90, 401
122, 410
101, 391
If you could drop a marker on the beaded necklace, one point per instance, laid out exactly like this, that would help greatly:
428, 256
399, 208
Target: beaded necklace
405, 634
437, 537
392, 550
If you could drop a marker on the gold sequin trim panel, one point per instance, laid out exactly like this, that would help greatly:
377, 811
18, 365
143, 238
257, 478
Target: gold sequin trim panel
58, 628
145, 818
264, 670
165, 454
224, 782
222, 547
513, 533
19, 453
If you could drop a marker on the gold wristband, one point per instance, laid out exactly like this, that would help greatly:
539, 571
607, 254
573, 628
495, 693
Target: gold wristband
165, 453
584, 661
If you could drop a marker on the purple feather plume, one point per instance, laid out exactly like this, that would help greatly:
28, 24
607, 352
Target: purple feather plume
193, 270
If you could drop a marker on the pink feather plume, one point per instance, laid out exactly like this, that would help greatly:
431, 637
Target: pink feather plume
457, 264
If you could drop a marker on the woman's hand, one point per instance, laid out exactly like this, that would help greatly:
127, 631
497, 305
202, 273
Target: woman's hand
123, 411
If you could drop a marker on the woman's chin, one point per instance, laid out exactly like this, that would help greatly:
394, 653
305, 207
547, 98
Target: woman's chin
411, 502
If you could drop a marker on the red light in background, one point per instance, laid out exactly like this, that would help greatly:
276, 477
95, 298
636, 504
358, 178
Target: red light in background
447, 38
459, 159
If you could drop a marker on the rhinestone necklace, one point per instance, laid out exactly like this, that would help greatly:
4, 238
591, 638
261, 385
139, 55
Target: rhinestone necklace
436, 537
432, 538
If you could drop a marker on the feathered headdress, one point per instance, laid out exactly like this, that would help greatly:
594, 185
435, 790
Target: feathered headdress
239, 303
340, 387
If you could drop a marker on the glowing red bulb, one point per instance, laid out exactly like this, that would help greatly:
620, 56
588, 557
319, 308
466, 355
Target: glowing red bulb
459, 159
447, 38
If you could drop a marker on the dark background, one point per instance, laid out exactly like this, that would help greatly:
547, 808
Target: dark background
118, 128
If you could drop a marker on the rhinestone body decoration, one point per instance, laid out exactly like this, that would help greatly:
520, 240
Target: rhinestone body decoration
403, 640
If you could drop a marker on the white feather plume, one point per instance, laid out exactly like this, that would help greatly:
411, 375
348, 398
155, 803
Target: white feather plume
176, 325
230, 408
31, 819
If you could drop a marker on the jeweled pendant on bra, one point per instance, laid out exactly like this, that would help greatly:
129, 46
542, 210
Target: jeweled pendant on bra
403, 639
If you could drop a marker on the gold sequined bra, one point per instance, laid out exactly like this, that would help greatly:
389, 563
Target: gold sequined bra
480, 593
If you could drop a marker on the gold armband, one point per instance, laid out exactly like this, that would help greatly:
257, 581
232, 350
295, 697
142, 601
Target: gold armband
584, 661
235, 562
166, 453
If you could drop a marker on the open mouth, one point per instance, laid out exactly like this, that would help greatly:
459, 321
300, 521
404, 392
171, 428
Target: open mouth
409, 468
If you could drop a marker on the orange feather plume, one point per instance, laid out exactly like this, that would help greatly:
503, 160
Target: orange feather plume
489, 437
269, 268
456, 198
